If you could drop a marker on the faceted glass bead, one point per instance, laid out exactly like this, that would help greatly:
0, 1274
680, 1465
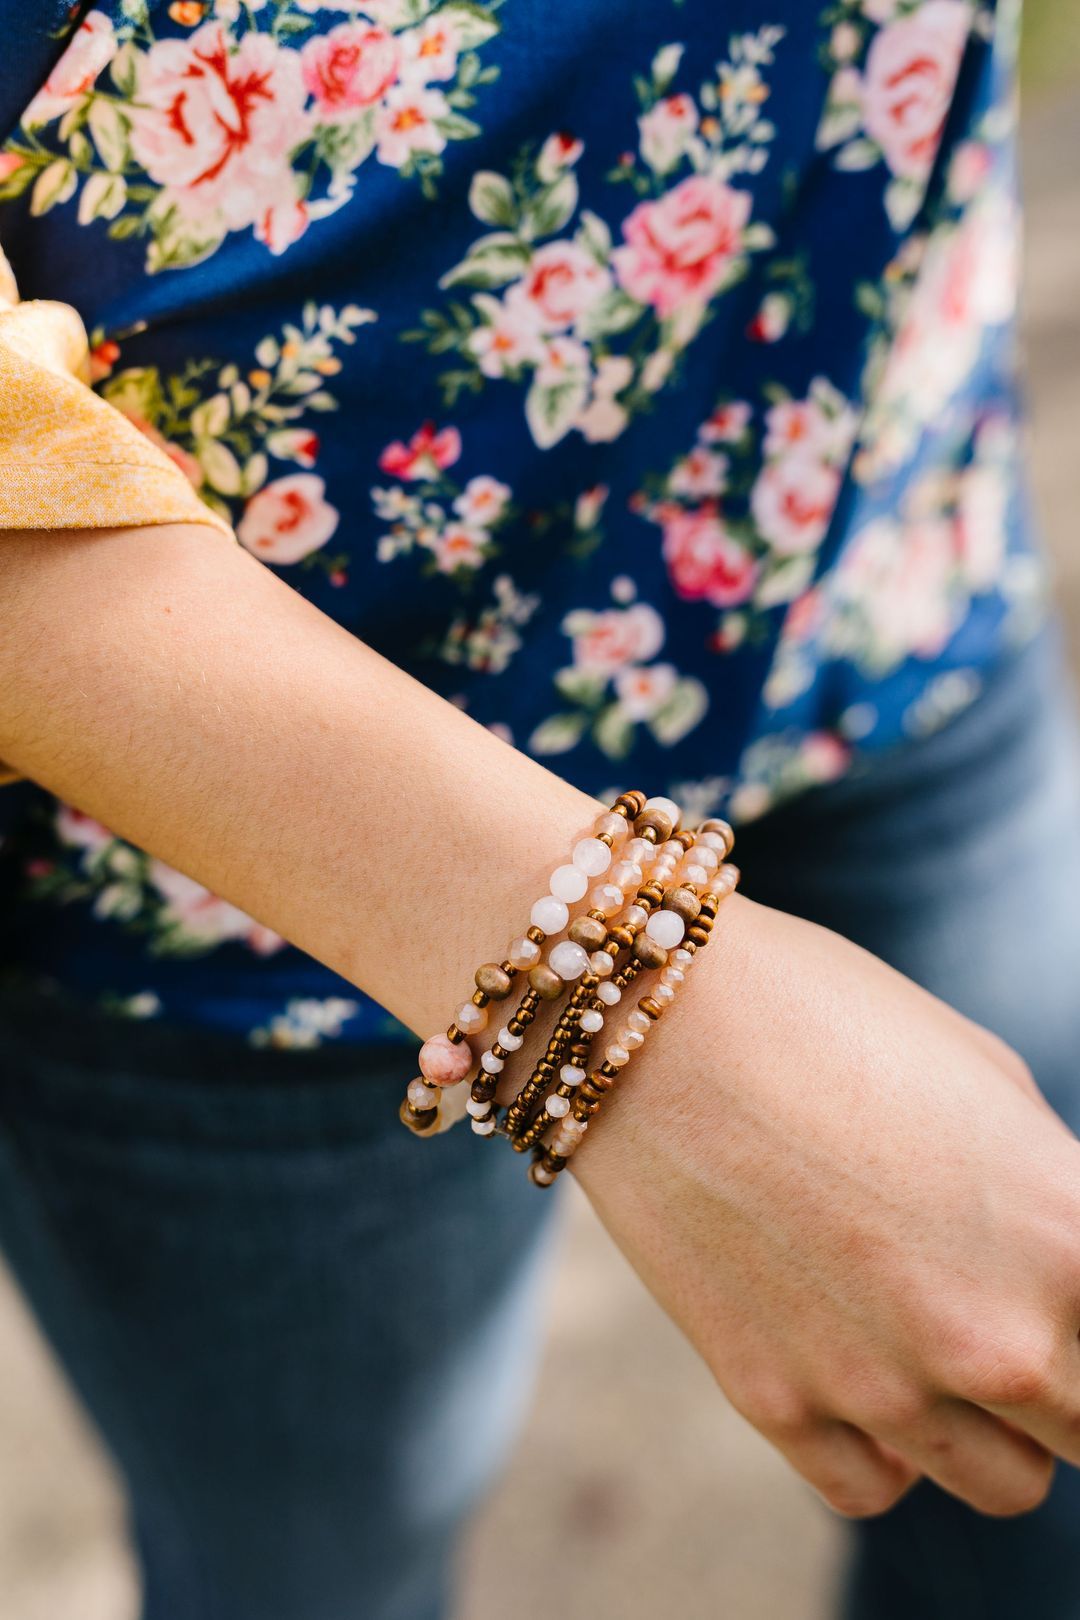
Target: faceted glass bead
639, 1021
508, 1042
609, 993
550, 914
591, 1020
601, 964
613, 826
491, 1063
631, 1039
569, 960
673, 976
478, 1110
635, 917
616, 1055
571, 1075
639, 850
470, 1018
568, 883
664, 994
557, 1106
693, 873
422, 1095
606, 897
591, 856
483, 1127
627, 874
524, 953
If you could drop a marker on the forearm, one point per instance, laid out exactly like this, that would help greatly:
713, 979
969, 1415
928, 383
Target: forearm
171, 686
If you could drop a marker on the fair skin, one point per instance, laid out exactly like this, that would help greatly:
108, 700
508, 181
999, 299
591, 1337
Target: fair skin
852, 1200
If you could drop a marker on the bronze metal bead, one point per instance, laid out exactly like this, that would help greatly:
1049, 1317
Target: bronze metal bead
420, 1121
684, 903
655, 821
545, 981
621, 936
454, 1034
652, 1009
649, 953
480, 998
686, 838
697, 935
537, 935
724, 829
632, 802
588, 932
493, 981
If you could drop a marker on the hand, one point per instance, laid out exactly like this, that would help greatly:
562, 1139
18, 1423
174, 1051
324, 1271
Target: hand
862, 1213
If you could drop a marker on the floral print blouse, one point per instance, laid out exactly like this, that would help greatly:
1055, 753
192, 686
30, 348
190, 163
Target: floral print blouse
639, 377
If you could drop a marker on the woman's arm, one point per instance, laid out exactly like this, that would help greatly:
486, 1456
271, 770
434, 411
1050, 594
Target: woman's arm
848, 1196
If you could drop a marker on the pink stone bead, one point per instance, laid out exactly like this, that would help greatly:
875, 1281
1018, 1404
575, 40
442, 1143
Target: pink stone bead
609, 994
558, 1107
640, 850
549, 914
616, 1055
635, 917
421, 1095
569, 960
591, 856
673, 976
672, 849
568, 883
666, 928
606, 897
601, 964
470, 1018
693, 873
704, 856
524, 953
444, 1062
627, 874
639, 1022
592, 1021
682, 958
664, 994
613, 826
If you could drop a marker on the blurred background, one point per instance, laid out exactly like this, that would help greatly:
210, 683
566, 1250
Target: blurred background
673, 1506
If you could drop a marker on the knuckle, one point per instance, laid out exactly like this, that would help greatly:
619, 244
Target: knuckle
776, 1409
988, 1368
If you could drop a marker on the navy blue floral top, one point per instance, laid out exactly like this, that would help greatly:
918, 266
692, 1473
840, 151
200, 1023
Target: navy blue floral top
640, 377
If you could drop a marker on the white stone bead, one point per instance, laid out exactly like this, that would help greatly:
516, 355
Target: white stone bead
571, 1075
639, 1022
470, 1018
549, 914
635, 917
601, 963
483, 1127
421, 1095
508, 1042
627, 874
616, 1055
673, 976
478, 1110
591, 856
557, 1106
668, 806
664, 994
630, 1039
524, 953
568, 883
693, 873
541, 1175
591, 1020
570, 961
666, 928
615, 826
491, 1063
574, 1127
704, 856
609, 993
606, 897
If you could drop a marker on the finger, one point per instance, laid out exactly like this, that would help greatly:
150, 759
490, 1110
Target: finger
973, 1455
848, 1468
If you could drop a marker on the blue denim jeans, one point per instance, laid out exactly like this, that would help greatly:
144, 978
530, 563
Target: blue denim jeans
307, 1338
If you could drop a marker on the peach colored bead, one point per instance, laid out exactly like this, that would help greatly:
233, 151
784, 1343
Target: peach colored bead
635, 917
613, 826
627, 874
557, 1106
470, 1019
444, 1062
664, 994
673, 976
639, 1022
609, 993
616, 1055
668, 806
591, 856
421, 1095
606, 897
601, 964
666, 928
692, 872
550, 914
639, 850
631, 1039
682, 958
523, 953
570, 961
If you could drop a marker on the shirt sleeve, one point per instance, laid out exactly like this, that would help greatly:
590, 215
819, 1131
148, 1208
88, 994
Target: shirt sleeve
69, 460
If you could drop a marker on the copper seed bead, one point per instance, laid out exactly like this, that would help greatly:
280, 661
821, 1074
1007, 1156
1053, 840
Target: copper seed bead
652, 1009
622, 936
651, 894
649, 953
493, 981
454, 1034
686, 838
684, 903
537, 935
480, 998
658, 822
588, 932
697, 935
420, 1123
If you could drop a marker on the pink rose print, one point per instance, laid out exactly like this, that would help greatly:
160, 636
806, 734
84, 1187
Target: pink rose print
665, 131
215, 127
427, 453
562, 284
204, 918
701, 473
93, 46
288, 519
560, 151
352, 66
482, 500
431, 51
81, 831
642, 692
704, 561
677, 250
408, 121
727, 424
909, 80
459, 545
792, 501
175, 452
607, 641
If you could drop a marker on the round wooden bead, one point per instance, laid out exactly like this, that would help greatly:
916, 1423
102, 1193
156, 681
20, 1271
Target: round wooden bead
546, 982
658, 822
683, 902
493, 980
649, 953
588, 931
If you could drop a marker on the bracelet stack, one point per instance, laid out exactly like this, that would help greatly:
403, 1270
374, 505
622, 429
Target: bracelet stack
656, 891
